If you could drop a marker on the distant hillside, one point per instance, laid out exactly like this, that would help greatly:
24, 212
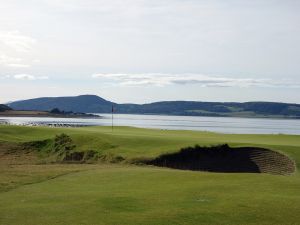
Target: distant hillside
95, 104
82, 103
4, 108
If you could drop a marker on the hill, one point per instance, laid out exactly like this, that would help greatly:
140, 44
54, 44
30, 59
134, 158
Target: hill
95, 104
4, 108
82, 103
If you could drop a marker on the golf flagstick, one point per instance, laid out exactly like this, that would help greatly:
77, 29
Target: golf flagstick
112, 118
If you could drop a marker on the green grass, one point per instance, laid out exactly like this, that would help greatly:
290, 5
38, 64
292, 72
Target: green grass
128, 194
135, 142
14, 176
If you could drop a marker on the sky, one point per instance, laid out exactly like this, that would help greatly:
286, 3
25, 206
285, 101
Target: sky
142, 51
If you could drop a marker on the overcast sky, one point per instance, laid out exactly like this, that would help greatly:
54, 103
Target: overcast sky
146, 50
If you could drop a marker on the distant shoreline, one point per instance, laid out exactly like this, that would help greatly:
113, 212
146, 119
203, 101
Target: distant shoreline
196, 123
23, 113
96, 104
45, 114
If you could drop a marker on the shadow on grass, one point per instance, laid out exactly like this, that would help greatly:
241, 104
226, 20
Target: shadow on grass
223, 158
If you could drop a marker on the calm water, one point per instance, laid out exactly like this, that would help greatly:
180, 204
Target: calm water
216, 124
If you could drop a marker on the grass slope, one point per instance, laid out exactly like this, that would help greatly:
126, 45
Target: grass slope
126, 194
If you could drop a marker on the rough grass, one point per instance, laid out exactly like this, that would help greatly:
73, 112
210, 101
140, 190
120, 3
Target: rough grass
126, 194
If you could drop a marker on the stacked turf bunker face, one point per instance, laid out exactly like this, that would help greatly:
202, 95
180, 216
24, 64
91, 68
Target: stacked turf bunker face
223, 158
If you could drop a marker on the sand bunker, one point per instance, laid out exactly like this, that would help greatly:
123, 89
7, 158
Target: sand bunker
226, 159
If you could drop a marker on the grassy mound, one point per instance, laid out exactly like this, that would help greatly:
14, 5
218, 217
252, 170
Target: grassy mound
135, 143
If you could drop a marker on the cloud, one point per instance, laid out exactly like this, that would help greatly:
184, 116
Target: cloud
16, 49
29, 77
17, 41
12, 61
15, 62
4, 77
162, 80
18, 65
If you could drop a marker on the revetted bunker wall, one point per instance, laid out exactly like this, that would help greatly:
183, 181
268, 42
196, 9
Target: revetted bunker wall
226, 159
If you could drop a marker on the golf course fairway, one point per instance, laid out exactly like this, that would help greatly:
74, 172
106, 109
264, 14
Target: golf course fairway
118, 189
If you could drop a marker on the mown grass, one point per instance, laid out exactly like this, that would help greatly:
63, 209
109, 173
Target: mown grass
128, 194
137, 195
135, 142
14, 176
